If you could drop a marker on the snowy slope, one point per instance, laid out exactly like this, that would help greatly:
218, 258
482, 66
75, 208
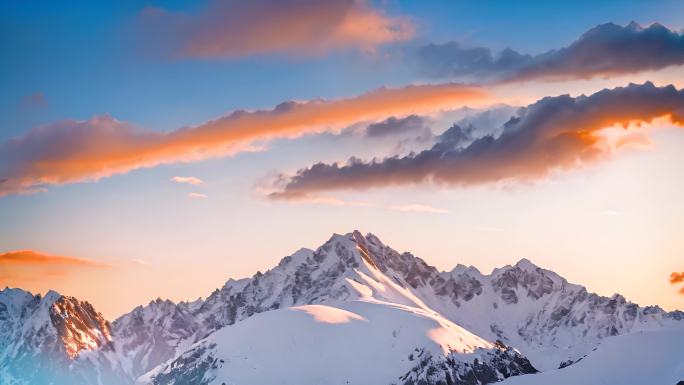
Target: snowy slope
355, 342
643, 358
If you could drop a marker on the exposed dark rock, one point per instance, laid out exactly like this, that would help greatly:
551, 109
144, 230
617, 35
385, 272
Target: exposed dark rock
492, 366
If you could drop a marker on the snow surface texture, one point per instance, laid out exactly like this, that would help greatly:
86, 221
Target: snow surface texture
549, 321
356, 342
644, 358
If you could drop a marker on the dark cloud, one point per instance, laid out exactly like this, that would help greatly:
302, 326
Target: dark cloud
415, 131
476, 125
554, 133
395, 126
406, 133
605, 50
454, 60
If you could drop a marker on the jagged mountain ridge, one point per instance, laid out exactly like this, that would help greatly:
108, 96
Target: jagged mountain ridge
328, 274
536, 311
316, 276
39, 336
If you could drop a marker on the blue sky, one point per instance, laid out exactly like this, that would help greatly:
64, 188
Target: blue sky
89, 59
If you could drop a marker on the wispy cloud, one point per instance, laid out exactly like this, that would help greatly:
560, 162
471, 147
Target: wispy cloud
30, 257
36, 99
139, 261
195, 195
188, 180
329, 201
605, 50
231, 29
555, 133
325, 200
72, 151
418, 208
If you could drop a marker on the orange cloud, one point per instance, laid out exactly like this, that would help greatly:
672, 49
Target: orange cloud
555, 133
30, 257
242, 28
676, 277
72, 151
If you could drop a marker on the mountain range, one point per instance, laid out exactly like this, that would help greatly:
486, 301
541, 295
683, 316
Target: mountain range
353, 311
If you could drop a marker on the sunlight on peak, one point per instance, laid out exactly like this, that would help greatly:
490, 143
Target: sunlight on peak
329, 314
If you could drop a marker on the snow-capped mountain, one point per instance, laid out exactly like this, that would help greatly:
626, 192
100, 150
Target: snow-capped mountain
40, 336
517, 319
553, 322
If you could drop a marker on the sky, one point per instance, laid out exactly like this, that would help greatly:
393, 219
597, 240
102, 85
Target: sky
156, 149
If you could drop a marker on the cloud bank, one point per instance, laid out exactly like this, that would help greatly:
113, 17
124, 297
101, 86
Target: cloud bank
231, 29
72, 151
555, 133
605, 50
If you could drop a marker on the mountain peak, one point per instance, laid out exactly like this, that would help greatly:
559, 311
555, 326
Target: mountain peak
461, 268
79, 326
526, 264
14, 291
51, 296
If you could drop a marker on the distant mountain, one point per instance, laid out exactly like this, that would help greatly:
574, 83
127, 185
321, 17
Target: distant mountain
417, 325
